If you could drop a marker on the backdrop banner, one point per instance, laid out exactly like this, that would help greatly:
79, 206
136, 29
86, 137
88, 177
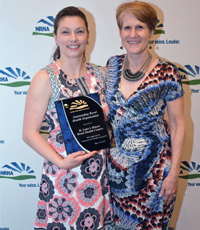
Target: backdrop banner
27, 45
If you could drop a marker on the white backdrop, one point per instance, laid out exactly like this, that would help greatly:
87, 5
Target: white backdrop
23, 52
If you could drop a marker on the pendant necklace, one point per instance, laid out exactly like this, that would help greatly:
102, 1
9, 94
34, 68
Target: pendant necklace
129, 76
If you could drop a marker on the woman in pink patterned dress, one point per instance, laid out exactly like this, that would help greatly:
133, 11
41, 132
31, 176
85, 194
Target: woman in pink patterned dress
74, 191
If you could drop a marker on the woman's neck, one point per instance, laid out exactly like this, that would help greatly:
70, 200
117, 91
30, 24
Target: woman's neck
136, 61
73, 67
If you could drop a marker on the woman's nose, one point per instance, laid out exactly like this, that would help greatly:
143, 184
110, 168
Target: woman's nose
73, 36
133, 32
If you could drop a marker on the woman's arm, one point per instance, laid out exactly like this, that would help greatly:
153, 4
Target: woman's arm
37, 101
177, 132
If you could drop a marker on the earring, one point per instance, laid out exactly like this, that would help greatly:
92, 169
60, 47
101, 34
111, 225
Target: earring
121, 47
88, 43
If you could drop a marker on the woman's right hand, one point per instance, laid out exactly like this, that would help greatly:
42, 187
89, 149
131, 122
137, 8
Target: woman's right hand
75, 159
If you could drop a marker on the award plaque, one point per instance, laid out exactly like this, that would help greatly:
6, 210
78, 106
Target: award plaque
82, 123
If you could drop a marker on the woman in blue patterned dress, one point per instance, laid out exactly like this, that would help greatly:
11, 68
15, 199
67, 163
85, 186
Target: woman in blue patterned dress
74, 192
144, 166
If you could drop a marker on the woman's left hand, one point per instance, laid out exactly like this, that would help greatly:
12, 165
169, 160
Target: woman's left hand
169, 189
177, 131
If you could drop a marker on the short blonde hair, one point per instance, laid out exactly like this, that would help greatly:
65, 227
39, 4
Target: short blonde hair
143, 11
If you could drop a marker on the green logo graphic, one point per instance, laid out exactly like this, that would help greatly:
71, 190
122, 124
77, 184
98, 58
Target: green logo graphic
189, 171
159, 29
193, 72
18, 78
44, 27
24, 172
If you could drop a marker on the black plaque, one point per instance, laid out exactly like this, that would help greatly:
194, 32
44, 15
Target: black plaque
82, 123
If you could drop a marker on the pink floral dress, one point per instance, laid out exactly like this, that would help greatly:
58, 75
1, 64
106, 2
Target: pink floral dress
77, 198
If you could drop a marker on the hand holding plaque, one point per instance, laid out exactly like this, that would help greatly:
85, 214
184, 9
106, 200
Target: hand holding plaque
82, 123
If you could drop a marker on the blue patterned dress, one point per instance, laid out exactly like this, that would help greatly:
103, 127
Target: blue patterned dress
142, 157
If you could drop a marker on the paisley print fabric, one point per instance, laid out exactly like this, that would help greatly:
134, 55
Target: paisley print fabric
78, 198
142, 157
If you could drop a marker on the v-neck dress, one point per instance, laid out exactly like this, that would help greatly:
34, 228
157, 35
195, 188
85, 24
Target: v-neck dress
142, 157
78, 198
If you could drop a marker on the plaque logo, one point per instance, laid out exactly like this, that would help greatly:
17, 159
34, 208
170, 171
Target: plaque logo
78, 105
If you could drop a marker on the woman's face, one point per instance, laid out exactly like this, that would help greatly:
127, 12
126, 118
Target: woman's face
135, 35
72, 36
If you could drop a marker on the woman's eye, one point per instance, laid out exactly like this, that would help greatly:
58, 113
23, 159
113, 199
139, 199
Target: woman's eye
127, 28
140, 27
80, 32
65, 32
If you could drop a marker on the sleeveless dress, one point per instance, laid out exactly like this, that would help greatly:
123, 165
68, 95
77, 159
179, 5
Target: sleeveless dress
78, 198
142, 157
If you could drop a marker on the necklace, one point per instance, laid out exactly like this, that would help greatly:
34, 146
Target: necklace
129, 76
